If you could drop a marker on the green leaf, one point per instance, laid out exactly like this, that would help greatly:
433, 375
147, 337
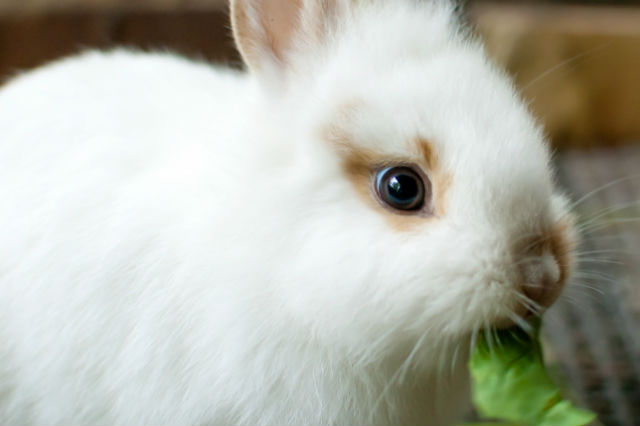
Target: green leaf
510, 382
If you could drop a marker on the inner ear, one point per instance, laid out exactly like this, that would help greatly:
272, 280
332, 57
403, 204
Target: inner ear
263, 29
266, 31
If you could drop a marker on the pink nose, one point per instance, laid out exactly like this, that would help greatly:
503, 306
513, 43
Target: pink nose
542, 280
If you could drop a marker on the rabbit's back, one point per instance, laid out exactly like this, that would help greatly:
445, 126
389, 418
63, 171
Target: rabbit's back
110, 165
95, 100
109, 140
108, 146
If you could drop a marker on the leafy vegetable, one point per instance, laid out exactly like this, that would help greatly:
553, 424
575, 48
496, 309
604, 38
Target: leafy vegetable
510, 382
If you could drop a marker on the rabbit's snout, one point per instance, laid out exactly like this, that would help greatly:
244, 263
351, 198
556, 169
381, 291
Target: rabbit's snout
544, 267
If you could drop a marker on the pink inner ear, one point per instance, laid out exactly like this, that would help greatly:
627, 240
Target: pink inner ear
264, 29
280, 20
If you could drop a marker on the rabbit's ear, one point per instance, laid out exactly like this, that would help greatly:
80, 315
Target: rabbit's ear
267, 31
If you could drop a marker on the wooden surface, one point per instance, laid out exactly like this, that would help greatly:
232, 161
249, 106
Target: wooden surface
48, 6
29, 40
578, 66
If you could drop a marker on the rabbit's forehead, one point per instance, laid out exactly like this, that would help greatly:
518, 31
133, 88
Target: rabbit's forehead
454, 99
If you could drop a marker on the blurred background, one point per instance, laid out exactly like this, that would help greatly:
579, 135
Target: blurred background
577, 63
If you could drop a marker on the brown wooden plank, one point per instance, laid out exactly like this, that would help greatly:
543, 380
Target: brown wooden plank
74, 6
205, 34
28, 41
578, 66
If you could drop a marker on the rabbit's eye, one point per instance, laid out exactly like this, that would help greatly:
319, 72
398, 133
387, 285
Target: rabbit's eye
400, 188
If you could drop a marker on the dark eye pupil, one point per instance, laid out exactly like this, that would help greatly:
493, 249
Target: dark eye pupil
403, 187
400, 188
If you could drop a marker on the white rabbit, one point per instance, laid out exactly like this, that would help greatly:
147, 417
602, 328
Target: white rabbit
312, 242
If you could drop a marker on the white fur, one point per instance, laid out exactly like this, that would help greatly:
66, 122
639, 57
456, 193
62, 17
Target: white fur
180, 246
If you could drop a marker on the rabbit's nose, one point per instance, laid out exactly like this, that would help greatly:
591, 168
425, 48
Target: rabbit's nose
541, 279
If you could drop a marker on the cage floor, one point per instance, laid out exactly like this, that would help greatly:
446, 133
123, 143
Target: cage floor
594, 330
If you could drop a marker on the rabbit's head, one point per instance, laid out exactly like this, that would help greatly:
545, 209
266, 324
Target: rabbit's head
420, 191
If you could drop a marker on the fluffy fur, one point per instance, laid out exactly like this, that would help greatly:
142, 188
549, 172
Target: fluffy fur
182, 246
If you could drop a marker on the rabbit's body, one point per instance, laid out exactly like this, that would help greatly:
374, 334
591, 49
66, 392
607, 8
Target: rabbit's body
189, 245
128, 293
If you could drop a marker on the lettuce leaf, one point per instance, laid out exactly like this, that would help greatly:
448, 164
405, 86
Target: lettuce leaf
510, 382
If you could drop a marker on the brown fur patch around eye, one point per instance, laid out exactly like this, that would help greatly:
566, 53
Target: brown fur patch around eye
360, 165
440, 179
428, 155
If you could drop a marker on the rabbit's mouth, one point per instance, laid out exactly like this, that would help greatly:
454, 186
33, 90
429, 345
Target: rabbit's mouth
521, 315
536, 295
